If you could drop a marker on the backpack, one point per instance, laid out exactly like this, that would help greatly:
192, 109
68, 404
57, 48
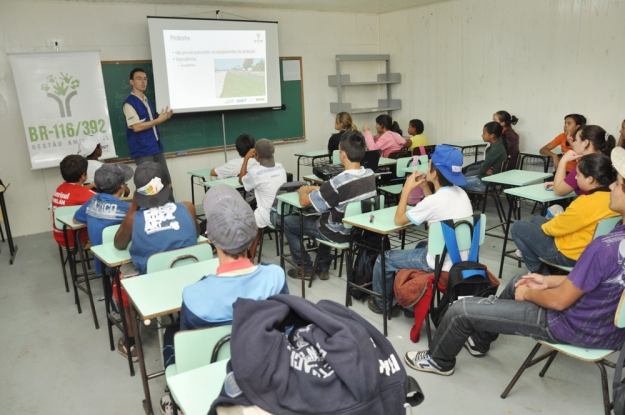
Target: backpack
416, 195
367, 246
466, 278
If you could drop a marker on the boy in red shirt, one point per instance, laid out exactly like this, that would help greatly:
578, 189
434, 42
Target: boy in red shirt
71, 193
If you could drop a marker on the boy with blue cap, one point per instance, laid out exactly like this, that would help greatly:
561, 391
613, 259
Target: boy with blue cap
448, 201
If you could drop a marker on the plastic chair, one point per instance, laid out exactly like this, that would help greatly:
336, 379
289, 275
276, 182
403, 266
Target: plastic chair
597, 356
352, 209
604, 226
179, 257
394, 190
335, 157
268, 230
436, 247
62, 211
108, 234
192, 347
493, 190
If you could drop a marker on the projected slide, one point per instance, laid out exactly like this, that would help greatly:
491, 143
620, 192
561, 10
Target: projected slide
210, 68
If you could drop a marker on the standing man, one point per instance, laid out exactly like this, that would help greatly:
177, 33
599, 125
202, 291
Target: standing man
144, 138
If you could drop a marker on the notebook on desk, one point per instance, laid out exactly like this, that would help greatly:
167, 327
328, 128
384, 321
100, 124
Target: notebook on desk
370, 160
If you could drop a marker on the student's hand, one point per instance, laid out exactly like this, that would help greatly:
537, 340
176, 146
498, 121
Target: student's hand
533, 281
548, 185
519, 293
126, 190
251, 153
570, 156
489, 171
165, 115
415, 179
365, 128
556, 161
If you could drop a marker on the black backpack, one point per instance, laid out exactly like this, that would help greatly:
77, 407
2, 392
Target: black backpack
367, 245
466, 278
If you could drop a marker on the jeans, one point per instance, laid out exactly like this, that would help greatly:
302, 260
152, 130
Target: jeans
160, 159
394, 261
474, 184
291, 231
483, 319
533, 243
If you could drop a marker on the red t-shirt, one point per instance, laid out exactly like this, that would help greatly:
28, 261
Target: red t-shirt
69, 194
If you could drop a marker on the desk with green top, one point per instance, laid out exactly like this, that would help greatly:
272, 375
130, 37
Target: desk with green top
158, 294
463, 145
70, 226
536, 193
202, 175
232, 182
312, 156
115, 258
536, 154
311, 178
195, 390
381, 222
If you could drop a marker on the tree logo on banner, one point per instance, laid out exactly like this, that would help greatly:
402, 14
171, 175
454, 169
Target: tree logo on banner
60, 87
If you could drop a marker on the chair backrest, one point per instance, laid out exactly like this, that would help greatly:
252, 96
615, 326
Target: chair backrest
179, 257
335, 157
399, 154
64, 211
402, 163
436, 241
352, 209
604, 226
108, 233
194, 348
428, 150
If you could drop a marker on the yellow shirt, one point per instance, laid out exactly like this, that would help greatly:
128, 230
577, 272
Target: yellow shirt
419, 140
574, 228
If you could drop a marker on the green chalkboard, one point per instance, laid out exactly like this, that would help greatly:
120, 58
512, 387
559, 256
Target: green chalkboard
197, 131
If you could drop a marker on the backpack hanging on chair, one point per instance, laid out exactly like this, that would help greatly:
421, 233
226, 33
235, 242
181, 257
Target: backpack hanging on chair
466, 278
417, 193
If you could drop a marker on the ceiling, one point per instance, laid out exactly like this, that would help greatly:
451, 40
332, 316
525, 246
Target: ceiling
356, 6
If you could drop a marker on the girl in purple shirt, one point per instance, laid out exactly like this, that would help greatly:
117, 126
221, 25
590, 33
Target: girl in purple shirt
588, 140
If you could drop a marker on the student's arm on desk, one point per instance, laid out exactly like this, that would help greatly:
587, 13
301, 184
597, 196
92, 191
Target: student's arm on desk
124, 233
214, 173
304, 194
192, 212
555, 292
415, 179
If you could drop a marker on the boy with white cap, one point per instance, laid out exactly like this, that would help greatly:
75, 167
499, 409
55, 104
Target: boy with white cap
231, 227
577, 308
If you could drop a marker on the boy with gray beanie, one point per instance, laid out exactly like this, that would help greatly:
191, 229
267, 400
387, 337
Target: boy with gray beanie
231, 228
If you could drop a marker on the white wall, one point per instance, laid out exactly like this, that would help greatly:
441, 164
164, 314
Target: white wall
120, 32
463, 60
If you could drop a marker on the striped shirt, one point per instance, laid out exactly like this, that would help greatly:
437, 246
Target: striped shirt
333, 197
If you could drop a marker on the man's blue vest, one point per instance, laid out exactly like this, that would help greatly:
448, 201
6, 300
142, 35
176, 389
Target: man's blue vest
144, 143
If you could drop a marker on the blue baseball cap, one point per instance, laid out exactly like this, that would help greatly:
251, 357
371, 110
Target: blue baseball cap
448, 160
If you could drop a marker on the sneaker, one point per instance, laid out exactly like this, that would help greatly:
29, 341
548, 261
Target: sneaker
373, 306
518, 254
422, 362
470, 346
121, 348
296, 274
167, 407
323, 275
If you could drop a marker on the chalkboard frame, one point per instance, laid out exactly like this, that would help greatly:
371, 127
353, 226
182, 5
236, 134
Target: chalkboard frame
229, 146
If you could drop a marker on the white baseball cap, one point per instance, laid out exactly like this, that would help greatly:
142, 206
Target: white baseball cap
89, 143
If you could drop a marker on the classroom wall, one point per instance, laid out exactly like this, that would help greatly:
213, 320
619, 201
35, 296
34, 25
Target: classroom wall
120, 32
463, 60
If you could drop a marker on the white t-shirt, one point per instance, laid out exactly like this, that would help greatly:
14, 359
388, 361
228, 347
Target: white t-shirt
91, 168
233, 167
265, 181
448, 203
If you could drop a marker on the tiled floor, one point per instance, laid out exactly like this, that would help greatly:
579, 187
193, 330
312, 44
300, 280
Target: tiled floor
54, 361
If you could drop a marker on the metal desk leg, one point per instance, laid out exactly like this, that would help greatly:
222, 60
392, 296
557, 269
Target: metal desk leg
147, 402
386, 309
122, 315
12, 248
298, 164
302, 251
87, 283
107, 304
72, 267
511, 203
476, 147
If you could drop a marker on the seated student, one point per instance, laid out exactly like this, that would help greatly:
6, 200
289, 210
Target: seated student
264, 178
354, 184
588, 140
90, 147
494, 156
71, 193
243, 144
105, 209
231, 228
510, 137
447, 202
562, 239
577, 309
343, 122
153, 224
388, 137
572, 123
415, 129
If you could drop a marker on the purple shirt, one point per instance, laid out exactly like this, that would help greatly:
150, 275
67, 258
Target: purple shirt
600, 273
572, 181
